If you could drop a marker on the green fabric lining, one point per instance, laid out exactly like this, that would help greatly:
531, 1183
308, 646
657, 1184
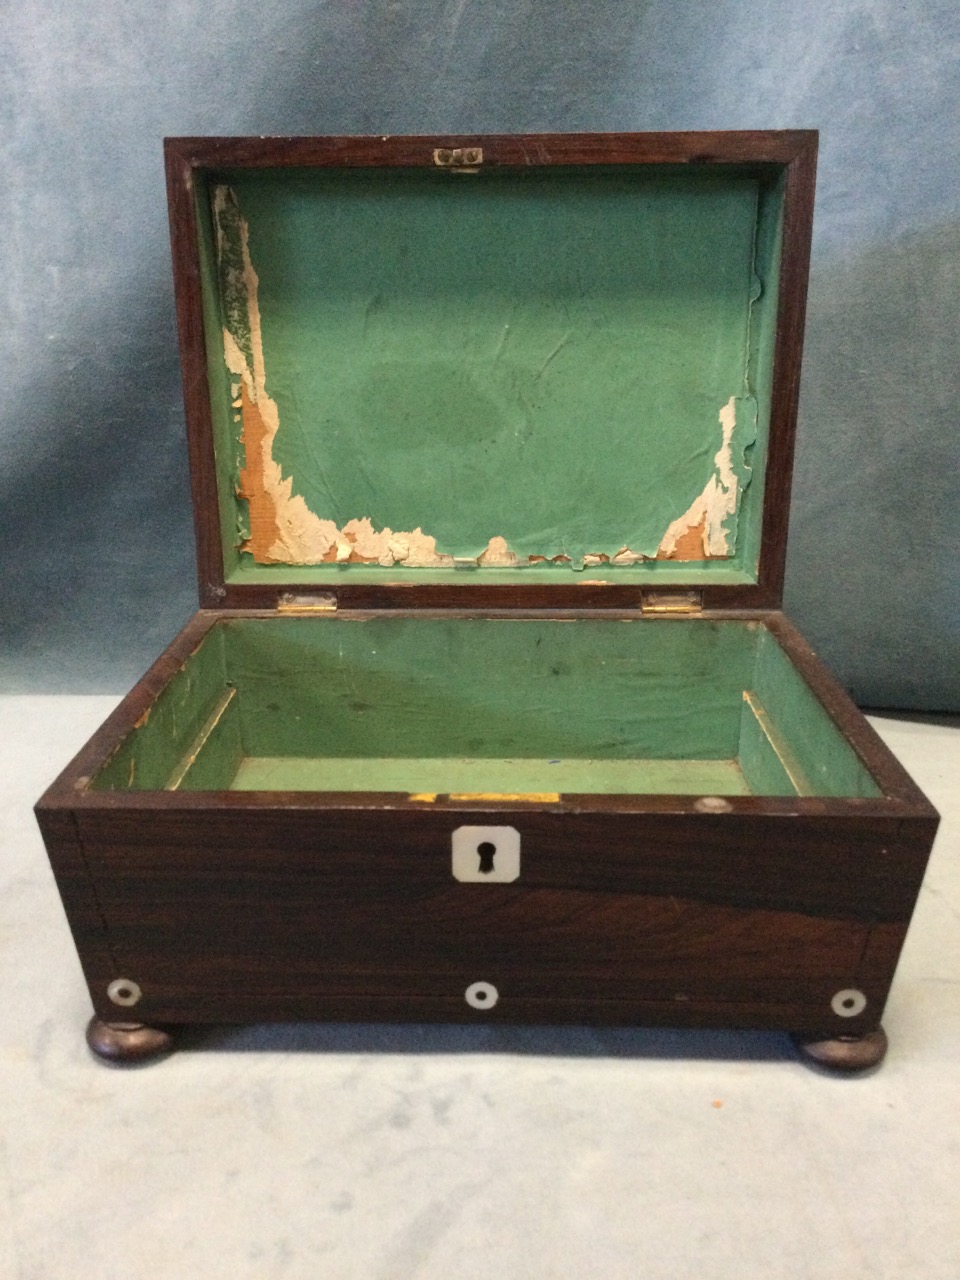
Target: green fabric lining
448, 687
539, 355
831, 767
153, 750
439, 704
522, 775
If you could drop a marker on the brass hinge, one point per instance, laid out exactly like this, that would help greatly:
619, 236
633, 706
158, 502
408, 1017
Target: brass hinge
290, 603
459, 159
671, 602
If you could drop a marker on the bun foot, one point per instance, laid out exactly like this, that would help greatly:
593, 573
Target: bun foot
846, 1053
122, 1043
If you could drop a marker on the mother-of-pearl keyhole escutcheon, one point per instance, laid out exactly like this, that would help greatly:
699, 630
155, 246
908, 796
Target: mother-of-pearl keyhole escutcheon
485, 855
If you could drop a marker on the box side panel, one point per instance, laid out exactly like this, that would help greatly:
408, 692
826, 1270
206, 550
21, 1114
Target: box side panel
71, 786
78, 893
160, 745
861, 738
762, 765
211, 761
813, 752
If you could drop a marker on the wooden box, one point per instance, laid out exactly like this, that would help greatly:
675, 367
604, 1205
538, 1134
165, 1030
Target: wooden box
490, 711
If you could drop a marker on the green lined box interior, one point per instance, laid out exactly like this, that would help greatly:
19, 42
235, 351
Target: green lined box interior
479, 705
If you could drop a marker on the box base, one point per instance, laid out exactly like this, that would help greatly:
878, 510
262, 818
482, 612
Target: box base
132, 1043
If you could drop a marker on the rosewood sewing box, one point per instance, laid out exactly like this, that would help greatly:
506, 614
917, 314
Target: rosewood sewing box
490, 711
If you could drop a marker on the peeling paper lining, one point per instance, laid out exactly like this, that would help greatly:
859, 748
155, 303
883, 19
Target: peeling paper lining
700, 533
283, 529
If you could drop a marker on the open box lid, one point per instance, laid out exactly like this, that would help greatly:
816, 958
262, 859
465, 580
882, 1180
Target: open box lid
552, 371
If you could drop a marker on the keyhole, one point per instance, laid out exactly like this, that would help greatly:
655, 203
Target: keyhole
486, 851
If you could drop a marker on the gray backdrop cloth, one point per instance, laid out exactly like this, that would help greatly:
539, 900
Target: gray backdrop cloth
96, 543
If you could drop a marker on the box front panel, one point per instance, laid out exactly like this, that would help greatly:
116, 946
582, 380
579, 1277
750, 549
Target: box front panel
354, 914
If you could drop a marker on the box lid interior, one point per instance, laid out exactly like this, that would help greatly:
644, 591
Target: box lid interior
547, 373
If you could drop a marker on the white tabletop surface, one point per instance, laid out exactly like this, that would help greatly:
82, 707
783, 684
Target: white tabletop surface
467, 1154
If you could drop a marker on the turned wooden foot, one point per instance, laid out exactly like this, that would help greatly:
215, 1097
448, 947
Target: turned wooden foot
121, 1043
845, 1053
